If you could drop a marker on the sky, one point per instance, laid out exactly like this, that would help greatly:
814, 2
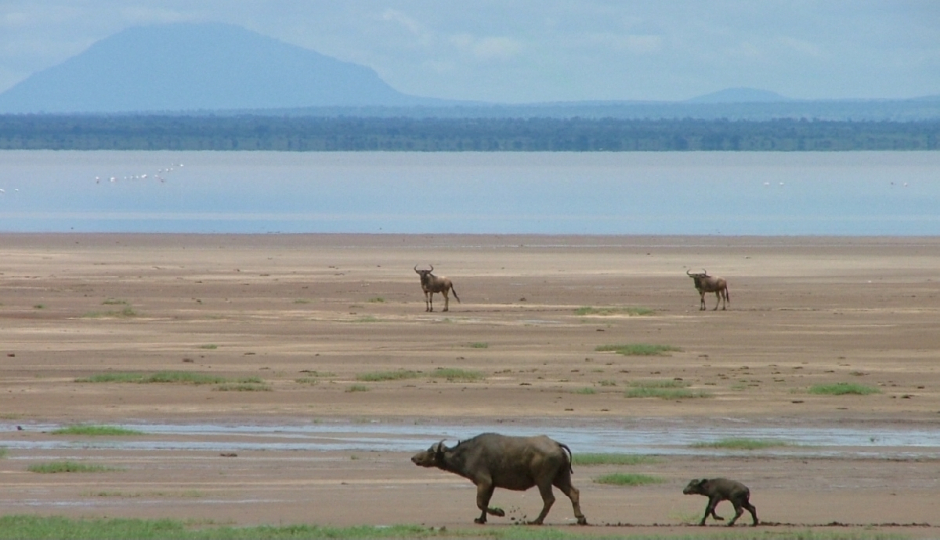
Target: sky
526, 51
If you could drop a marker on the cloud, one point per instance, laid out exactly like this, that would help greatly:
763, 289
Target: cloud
487, 48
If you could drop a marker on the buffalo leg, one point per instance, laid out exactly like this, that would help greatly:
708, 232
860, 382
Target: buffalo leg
484, 493
710, 510
753, 510
575, 496
548, 499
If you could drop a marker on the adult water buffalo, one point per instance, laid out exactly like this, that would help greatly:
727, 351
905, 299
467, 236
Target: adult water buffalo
706, 284
495, 461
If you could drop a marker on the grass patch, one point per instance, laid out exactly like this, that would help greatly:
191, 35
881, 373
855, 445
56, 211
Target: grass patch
36, 527
243, 387
628, 479
358, 388
4, 453
479, 345
114, 302
126, 312
366, 319
95, 431
209, 346
841, 389
734, 443
638, 349
584, 391
379, 376
377, 300
612, 459
179, 377
456, 374
604, 312
301, 301
666, 389
54, 467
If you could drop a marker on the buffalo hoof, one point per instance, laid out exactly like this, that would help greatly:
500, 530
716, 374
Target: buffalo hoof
582, 520
479, 521
497, 512
534, 523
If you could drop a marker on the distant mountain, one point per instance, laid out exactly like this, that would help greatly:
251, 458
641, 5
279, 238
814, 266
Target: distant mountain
739, 95
190, 67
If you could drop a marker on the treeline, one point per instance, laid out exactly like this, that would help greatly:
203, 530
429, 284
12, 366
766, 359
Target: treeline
313, 134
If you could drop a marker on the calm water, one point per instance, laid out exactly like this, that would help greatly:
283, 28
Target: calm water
851, 193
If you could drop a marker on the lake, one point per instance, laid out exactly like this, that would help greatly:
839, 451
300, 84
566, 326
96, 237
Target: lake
720, 193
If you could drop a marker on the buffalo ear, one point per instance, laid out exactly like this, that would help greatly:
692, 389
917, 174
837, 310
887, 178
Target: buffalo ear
702, 481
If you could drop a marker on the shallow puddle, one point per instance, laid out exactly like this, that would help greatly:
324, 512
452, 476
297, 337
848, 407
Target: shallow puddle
636, 437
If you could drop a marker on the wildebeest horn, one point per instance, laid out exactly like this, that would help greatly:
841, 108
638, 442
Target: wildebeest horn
688, 273
416, 268
432, 267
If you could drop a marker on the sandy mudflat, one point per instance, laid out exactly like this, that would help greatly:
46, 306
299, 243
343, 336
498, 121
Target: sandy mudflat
305, 317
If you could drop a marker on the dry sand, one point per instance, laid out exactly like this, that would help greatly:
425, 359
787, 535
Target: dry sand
307, 314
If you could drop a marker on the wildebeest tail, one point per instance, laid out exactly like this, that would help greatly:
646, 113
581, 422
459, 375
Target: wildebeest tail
453, 290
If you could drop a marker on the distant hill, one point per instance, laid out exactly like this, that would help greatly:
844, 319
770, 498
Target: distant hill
190, 67
739, 95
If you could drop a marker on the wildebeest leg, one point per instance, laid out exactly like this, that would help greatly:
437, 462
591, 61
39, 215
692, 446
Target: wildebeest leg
427, 304
484, 493
717, 300
563, 482
701, 305
430, 301
446, 300
548, 499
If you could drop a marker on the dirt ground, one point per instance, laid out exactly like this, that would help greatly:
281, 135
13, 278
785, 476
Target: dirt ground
306, 317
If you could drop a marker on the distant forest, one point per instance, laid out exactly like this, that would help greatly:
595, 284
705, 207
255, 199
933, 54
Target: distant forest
320, 134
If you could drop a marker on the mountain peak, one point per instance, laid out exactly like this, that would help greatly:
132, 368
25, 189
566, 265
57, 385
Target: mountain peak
197, 66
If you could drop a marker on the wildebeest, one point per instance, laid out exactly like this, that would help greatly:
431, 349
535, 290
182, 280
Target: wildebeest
431, 284
722, 489
495, 461
706, 284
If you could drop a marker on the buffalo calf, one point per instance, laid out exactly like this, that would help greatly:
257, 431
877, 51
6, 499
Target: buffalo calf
722, 489
493, 461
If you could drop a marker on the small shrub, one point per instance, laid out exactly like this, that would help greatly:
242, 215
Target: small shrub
95, 431
358, 388
638, 349
456, 374
378, 376
841, 389
628, 479
607, 383
67, 467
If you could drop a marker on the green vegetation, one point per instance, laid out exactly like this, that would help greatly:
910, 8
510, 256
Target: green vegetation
631, 311
4, 452
367, 319
637, 349
114, 302
243, 387
456, 374
479, 345
379, 376
95, 431
341, 132
667, 389
841, 389
180, 377
612, 459
128, 311
67, 467
25, 527
585, 391
358, 388
210, 346
741, 444
628, 479
377, 300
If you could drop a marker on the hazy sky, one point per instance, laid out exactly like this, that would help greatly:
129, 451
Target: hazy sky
545, 50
